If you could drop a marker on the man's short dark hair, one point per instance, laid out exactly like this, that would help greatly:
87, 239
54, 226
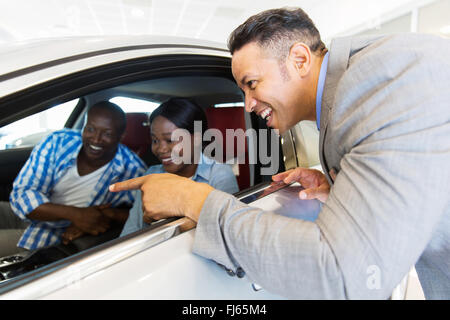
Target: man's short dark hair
116, 112
277, 30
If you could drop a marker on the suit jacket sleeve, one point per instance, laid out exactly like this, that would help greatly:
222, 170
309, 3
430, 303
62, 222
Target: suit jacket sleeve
276, 252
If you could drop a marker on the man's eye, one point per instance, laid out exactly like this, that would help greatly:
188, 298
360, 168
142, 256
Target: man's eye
251, 84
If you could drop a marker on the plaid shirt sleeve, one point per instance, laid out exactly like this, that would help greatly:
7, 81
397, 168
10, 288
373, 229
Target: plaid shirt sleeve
128, 166
34, 183
30, 188
38, 176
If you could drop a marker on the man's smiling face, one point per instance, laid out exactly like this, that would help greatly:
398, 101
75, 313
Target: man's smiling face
273, 88
101, 135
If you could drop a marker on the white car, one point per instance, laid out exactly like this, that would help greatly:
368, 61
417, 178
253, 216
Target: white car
65, 77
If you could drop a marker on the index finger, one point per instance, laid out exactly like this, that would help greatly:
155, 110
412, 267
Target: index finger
282, 175
132, 184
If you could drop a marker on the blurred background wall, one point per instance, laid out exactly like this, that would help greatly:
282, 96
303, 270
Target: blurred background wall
211, 19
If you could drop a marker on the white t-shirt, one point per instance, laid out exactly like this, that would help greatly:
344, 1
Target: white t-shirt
73, 190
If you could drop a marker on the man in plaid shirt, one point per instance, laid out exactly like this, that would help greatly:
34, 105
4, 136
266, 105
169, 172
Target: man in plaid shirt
62, 190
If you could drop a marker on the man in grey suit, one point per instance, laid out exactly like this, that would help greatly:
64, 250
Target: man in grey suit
382, 106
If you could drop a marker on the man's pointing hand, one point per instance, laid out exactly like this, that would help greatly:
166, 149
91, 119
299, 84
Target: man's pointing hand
166, 195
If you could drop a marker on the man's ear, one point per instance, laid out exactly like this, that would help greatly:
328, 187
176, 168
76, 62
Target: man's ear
300, 58
122, 136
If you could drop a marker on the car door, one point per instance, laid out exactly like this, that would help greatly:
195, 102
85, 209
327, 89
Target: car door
158, 263
41, 86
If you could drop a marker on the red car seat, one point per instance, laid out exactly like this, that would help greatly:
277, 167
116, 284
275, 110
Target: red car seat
231, 118
137, 133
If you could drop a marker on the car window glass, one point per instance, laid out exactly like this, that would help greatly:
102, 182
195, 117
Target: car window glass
31, 130
228, 105
134, 105
211, 93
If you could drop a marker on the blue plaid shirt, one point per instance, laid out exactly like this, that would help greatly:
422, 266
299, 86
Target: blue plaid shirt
48, 162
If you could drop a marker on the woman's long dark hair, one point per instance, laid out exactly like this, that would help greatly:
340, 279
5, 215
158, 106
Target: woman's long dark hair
182, 112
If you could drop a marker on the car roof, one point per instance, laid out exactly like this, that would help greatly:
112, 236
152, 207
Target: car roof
26, 54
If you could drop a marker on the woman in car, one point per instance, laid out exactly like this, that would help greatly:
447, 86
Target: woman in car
180, 113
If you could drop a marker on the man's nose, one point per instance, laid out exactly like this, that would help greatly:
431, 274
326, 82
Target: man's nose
250, 103
97, 136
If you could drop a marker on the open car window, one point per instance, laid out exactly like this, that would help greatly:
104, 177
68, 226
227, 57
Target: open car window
31, 130
129, 105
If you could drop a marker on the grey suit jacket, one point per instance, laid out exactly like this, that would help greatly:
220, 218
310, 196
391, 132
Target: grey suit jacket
385, 128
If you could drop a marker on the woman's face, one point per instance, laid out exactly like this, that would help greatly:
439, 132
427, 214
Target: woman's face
161, 131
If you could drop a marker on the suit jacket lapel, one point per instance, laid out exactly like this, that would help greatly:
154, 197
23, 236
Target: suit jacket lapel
337, 64
341, 49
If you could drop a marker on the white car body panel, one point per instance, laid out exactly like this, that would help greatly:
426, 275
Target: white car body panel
25, 54
168, 270
52, 61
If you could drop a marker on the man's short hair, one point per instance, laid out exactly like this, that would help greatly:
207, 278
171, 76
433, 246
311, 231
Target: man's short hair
116, 111
277, 30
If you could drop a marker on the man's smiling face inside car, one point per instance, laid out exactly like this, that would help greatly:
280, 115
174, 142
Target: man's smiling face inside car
101, 135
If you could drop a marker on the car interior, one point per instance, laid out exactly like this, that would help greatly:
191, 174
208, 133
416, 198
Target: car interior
218, 95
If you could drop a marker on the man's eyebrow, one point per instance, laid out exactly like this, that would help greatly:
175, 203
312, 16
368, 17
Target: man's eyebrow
244, 80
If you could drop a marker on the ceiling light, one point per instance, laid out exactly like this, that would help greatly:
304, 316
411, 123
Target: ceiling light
138, 13
445, 30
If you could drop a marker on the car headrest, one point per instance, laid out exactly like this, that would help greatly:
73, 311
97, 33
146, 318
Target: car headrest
137, 133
